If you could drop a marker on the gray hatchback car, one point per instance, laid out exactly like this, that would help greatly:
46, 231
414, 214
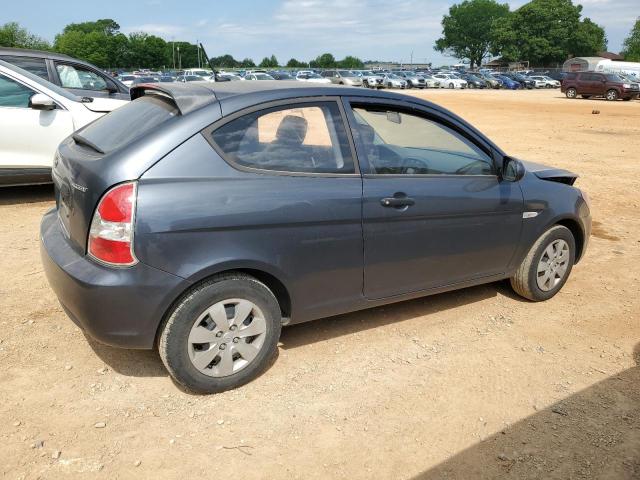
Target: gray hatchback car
201, 218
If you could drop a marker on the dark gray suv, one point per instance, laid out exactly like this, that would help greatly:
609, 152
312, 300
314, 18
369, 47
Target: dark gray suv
200, 218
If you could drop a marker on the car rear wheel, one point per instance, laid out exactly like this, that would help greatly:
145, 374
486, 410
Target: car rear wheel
222, 334
451, 85
611, 95
547, 266
571, 93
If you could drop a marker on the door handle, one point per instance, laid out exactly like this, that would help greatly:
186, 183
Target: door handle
397, 202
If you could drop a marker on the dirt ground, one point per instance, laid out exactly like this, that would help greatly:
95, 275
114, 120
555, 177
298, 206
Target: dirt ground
471, 384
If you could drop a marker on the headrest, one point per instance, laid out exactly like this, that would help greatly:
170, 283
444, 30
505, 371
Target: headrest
292, 129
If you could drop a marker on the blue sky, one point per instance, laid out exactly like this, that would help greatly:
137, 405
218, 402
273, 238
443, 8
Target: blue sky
369, 29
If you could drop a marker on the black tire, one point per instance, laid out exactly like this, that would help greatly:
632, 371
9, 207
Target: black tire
571, 93
174, 333
612, 95
524, 281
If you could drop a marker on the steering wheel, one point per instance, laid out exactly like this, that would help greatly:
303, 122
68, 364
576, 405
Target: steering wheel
413, 166
468, 169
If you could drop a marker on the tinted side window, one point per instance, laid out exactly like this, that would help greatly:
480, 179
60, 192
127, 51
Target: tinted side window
37, 66
400, 143
76, 76
14, 94
308, 138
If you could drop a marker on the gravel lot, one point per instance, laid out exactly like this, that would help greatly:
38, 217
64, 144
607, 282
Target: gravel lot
470, 384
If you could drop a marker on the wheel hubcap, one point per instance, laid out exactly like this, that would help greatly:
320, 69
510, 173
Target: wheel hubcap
226, 337
553, 265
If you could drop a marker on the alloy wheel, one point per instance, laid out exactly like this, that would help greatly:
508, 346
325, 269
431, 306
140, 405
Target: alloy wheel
227, 337
553, 265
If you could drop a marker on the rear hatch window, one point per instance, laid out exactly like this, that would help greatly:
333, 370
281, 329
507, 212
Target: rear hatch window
126, 124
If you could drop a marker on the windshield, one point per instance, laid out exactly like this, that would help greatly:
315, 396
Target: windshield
345, 73
41, 81
393, 76
127, 123
262, 76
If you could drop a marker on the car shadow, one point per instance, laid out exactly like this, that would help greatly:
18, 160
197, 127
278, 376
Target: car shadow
132, 363
302, 334
147, 363
594, 433
26, 194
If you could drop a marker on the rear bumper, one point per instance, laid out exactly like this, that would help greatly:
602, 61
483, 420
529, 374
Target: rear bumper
117, 306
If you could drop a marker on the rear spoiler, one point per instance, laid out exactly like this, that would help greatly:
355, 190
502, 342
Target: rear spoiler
186, 96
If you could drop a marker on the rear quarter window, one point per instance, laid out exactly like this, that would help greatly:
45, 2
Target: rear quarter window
129, 122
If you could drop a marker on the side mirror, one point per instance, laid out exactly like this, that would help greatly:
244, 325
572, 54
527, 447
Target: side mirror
512, 170
40, 101
111, 88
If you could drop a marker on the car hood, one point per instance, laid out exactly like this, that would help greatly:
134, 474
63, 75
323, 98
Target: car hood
104, 105
553, 174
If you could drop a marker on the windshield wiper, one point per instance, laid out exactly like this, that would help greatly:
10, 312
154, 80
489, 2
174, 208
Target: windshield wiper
79, 139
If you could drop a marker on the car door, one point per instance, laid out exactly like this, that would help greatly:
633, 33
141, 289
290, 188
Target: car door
28, 137
434, 211
86, 82
296, 203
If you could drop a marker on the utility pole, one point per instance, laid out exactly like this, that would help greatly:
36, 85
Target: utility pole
173, 52
411, 58
179, 60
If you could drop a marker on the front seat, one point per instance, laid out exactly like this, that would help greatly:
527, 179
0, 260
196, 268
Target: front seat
286, 150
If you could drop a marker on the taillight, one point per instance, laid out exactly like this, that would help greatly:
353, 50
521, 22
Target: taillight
111, 233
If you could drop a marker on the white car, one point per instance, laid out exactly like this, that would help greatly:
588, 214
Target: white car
35, 116
448, 80
430, 82
127, 79
311, 77
370, 79
391, 80
545, 82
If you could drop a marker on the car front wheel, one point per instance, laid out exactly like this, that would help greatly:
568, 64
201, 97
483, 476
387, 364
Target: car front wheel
571, 93
221, 334
612, 95
547, 266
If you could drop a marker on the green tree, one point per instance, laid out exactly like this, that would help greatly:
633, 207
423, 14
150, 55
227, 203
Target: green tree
631, 45
146, 51
269, 62
293, 63
13, 35
185, 54
98, 42
247, 63
224, 61
467, 32
326, 60
546, 32
350, 62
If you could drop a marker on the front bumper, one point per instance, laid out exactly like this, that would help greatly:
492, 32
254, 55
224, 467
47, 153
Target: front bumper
117, 306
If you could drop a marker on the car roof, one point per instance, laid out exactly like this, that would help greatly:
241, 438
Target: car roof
189, 97
25, 52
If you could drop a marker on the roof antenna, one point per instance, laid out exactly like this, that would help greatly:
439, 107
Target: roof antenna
216, 74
